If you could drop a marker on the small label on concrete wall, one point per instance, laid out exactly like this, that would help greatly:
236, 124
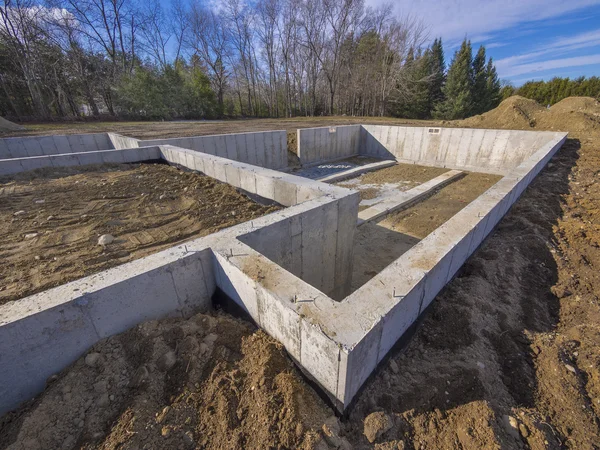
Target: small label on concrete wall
332, 129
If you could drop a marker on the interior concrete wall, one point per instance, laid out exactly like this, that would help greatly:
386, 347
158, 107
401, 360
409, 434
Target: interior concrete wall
21, 147
266, 149
317, 145
40, 335
16, 165
316, 246
121, 142
492, 151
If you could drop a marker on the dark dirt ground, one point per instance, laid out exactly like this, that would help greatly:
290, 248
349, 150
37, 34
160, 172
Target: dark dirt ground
51, 219
508, 356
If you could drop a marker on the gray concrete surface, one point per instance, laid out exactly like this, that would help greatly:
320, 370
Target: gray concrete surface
316, 145
266, 149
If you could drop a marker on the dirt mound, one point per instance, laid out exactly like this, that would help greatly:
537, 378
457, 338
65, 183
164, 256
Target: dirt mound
516, 112
573, 114
6, 125
210, 382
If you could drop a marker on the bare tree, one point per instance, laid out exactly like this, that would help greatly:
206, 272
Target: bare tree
208, 39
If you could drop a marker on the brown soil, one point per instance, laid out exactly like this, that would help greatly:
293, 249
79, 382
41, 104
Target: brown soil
50, 220
515, 113
210, 382
424, 217
402, 172
506, 357
574, 114
378, 244
410, 175
160, 130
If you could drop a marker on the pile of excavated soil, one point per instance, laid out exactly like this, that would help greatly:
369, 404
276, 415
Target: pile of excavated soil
516, 112
51, 219
575, 114
210, 382
7, 125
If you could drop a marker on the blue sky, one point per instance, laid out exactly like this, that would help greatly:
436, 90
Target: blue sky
528, 39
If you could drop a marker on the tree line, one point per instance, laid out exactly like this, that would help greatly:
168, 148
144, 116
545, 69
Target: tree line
555, 90
267, 58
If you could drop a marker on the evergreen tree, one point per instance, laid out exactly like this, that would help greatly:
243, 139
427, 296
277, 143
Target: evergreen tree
438, 70
479, 90
458, 102
493, 95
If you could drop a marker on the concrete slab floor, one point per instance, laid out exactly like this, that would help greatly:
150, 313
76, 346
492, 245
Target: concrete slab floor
333, 167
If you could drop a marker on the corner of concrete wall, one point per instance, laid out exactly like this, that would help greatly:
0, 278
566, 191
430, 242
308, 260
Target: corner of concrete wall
316, 145
121, 142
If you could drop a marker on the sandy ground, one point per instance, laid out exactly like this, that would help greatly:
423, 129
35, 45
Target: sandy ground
377, 244
374, 186
51, 219
506, 357
424, 217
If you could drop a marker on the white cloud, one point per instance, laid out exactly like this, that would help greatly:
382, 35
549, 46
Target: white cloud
516, 65
540, 66
455, 19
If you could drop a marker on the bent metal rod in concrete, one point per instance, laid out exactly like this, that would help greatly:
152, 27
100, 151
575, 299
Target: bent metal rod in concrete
283, 269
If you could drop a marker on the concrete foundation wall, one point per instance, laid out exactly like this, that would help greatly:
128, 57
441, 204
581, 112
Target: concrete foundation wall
285, 269
120, 142
316, 246
493, 151
316, 145
16, 165
419, 274
40, 335
21, 147
266, 149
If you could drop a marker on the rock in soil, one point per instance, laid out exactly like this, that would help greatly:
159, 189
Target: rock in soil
376, 424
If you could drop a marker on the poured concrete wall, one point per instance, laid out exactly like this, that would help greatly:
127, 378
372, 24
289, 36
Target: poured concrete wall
120, 142
16, 165
40, 335
264, 149
337, 343
316, 145
21, 147
367, 330
316, 246
493, 151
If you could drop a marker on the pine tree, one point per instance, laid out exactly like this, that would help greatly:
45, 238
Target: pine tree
458, 101
438, 69
479, 91
493, 87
